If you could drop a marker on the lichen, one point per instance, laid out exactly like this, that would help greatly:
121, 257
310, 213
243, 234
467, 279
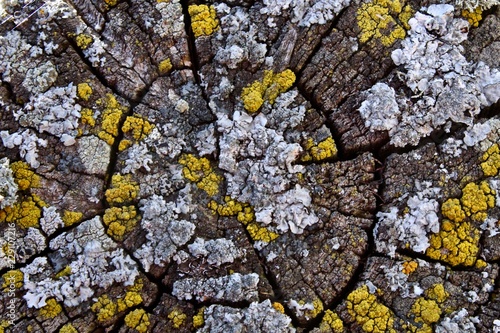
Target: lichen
13, 278
139, 127
68, 328
104, 308
122, 191
69, 218
25, 213
51, 309
279, 307
8, 184
473, 17
491, 161
331, 322
66, 271
323, 150
138, 319
87, 117
426, 312
368, 312
255, 94
177, 318
83, 41
204, 20
198, 319
259, 233
84, 91
165, 66
409, 267
24, 176
120, 220
476, 199
457, 243
199, 171
384, 20
437, 292
111, 118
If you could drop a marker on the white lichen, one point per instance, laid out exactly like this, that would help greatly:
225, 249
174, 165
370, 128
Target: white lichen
51, 220
94, 154
224, 319
413, 227
230, 288
138, 156
458, 321
8, 186
446, 87
166, 231
216, 251
28, 144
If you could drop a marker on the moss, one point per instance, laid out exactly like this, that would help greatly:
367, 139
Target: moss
24, 177
120, 220
104, 308
83, 41
139, 127
69, 218
66, 271
255, 94
138, 320
204, 20
198, 319
476, 199
457, 243
426, 311
437, 293
68, 328
323, 150
84, 90
384, 20
177, 318
15, 277
473, 17
258, 233
368, 312
87, 117
409, 267
331, 323
123, 190
111, 118
491, 161
51, 309
165, 66
198, 170
25, 213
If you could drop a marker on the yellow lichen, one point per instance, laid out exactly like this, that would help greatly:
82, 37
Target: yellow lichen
198, 318
177, 318
111, 3
132, 296
68, 328
139, 127
452, 209
24, 177
491, 161
120, 220
326, 149
368, 312
122, 191
25, 213
426, 311
165, 66
13, 278
111, 117
246, 216
124, 144
457, 243
279, 307
474, 17
255, 94
204, 20
317, 309
138, 320
476, 199
104, 308
69, 218
83, 41
437, 293
385, 20
409, 267
51, 309
84, 90
331, 323
229, 208
480, 264
198, 170
66, 271
87, 117
258, 233
3, 325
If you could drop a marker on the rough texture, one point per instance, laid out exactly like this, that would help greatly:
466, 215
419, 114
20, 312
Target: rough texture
249, 166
